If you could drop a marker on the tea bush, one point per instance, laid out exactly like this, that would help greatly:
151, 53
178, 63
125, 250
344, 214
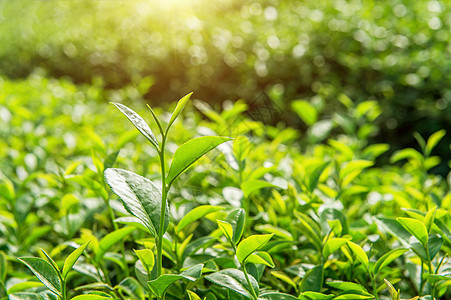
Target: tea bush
393, 51
270, 214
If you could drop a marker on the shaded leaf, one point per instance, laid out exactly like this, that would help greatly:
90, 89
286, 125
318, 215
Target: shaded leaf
161, 284
236, 218
132, 287
312, 281
387, 258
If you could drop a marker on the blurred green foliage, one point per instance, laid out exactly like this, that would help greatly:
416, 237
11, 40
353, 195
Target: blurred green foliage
395, 52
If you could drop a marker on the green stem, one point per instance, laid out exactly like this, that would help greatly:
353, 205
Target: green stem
164, 194
254, 295
373, 284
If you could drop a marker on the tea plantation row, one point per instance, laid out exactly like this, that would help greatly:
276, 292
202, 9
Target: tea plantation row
271, 214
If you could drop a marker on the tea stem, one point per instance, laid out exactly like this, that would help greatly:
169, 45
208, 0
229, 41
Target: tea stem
254, 295
164, 194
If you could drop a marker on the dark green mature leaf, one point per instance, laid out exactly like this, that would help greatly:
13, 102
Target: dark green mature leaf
387, 258
72, 258
45, 272
139, 123
234, 280
415, 228
178, 109
191, 151
110, 240
196, 214
161, 284
250, 245
434, 245
236, 218
396, 229
132, 287
140, 197
312, 281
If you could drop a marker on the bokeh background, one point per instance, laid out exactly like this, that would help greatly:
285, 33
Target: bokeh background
397, 53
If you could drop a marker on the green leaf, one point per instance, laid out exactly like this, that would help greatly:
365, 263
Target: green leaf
241, 147
261, 257
315, 296
433, 278
3, 266
21, 286
178, 109
45, 272
348, 286
305, 111
359, 253
110, 240
147, 258
279, 232
196, 214
393, 292
236, 218
433, 140
333, 245
407, 153
250, 245
139, 123
161, 284
429, 218
251, 186
192, 295
234, 280
415, 228
387, 258
132, 287
72, 258
140, 197
227, 229
312, 280
353, 297
33, 296
90, 297
276, 296
314, 176
191, 151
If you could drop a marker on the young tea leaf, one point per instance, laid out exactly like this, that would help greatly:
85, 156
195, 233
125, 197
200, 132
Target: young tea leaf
393, 292
227, 229
90, 297
110, 240
305, 111
250, 245
387, 258
147, 258
132, 287
191, 151
234, 280
196, 214
139, 123
140, 197
415, 228
45, 272
276, 296
333, 245
178, 109
433, 140
3, 266
348, 286
359, 253
161, 284
72, 258
192, 295
251, 186
241, 147
236, 218
261, 257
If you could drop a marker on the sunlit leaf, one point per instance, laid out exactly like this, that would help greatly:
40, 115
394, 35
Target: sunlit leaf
191, 151
250, 245
196, 214
415, 228
72, 259
110, 240
178, 109
235, 280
